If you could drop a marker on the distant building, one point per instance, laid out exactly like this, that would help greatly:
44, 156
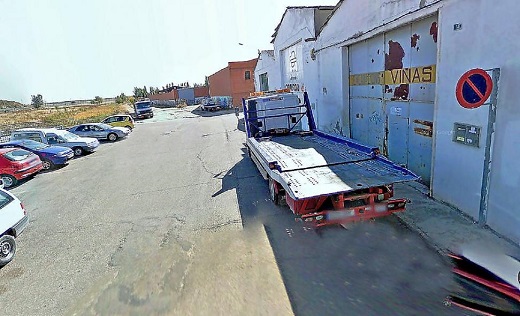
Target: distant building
187, 94
236, 80
267, 72
165, 96
202, 91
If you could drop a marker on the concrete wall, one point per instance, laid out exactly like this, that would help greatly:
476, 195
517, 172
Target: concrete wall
488, 39
297, 26
267, 64
352, 22
220, 83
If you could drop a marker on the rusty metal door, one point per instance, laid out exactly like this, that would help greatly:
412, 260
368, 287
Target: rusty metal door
393, 77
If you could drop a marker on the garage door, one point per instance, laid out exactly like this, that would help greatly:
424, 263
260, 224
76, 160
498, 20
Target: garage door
392, 93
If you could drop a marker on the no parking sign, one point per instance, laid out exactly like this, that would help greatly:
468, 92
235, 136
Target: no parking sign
474, 88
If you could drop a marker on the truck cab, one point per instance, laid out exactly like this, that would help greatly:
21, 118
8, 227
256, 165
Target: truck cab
143, 109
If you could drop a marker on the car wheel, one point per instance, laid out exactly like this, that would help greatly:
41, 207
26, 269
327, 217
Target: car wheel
129, 127
8, 180
7, 249
112, 137
78, 151
47, 164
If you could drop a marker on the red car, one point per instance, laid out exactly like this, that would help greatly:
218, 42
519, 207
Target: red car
17, 164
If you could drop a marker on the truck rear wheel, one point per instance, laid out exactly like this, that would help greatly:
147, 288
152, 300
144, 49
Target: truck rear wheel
7, 249
275, 196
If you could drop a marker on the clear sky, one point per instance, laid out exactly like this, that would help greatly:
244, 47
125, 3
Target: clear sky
74, 49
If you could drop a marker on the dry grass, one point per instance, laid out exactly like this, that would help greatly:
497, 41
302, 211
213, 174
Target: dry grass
62, 116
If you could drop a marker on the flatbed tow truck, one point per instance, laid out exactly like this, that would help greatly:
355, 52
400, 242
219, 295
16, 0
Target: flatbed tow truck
325, 179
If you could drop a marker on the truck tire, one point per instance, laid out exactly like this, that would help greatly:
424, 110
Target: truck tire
7, 249
9, 180
275, 197
78, 151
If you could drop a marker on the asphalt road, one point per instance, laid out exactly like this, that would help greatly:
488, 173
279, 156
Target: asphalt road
176, 220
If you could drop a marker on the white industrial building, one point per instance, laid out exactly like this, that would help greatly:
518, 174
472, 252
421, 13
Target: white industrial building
385, 72
267, 75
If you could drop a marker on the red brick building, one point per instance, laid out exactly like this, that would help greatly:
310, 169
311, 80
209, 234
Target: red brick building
202, 91
172, 95
236, 80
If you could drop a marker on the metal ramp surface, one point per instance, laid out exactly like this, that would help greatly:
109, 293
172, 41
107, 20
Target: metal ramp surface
310, 166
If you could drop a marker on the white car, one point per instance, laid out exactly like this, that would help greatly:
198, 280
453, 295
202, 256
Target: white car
13, 220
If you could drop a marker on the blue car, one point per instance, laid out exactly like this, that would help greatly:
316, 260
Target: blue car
50, 156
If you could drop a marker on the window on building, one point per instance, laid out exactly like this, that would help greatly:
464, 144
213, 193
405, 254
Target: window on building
247, 75
264, 82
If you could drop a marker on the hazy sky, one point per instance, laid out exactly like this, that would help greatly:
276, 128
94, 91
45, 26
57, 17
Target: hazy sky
73, 49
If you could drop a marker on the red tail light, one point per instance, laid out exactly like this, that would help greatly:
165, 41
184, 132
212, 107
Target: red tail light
23, 208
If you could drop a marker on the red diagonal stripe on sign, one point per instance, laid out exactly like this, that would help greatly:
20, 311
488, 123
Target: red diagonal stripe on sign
474, 87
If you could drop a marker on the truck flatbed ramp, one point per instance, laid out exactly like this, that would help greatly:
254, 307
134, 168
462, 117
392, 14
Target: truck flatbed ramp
310, 165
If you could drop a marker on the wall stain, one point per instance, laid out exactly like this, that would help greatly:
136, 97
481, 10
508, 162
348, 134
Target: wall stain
414, 39
394, 58
433, 31
401, 92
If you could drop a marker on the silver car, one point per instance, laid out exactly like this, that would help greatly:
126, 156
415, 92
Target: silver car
100, 131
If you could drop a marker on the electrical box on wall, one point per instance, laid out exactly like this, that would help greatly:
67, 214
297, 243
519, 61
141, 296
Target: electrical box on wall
466, 134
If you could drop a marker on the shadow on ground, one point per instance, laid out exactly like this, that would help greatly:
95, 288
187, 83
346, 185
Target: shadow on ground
370, 268
198, 111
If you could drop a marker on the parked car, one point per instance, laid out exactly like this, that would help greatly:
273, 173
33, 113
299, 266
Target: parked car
100, 131
120, 120
17, 164
209, 105
50, 156
13, 220
53, 136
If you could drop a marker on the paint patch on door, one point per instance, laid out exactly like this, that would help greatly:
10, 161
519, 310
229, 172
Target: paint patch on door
434, 31
414, 39
401, 92
394, 58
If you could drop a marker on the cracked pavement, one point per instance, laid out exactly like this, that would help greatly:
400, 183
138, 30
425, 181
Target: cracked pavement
144, 226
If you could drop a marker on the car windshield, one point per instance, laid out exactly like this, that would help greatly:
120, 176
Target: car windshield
17, 155
34, 145
67, 135
104, 126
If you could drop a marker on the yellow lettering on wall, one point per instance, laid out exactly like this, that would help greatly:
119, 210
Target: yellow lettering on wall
424, 74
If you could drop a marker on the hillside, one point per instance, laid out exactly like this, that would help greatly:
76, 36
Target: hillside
10, 104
